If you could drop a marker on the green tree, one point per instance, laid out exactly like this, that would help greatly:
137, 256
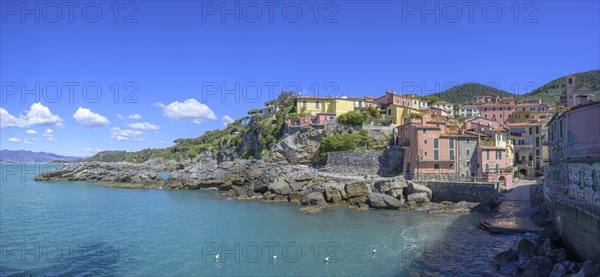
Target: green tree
352, 117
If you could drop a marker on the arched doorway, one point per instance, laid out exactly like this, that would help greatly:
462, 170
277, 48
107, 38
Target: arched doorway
502, 182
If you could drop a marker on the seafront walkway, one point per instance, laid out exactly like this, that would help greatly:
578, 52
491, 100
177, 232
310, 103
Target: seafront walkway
514, 212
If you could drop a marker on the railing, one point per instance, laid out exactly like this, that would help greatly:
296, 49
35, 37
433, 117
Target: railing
441, 177
584, 149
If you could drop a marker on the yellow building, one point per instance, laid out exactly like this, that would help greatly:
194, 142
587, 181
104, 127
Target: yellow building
397, 114
528, 116
313, 105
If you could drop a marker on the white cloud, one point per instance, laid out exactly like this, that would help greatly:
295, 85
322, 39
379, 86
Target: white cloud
15, 140
8, 120
135, 117
29, 141
38, 114
126, 134
49, 134
190, 110
88, 118
144, 126
161, 142
226, 120
31, 132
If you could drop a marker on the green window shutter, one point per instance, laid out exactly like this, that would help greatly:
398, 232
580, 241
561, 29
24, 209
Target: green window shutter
435, 143
451, 154
436, 155
487, 154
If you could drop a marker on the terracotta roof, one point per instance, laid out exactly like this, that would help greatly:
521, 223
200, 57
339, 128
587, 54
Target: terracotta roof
442, 102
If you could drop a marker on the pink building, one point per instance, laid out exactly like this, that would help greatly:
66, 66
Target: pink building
325, 118
438, 111
496, 111
410, 101
300, 121
492, 163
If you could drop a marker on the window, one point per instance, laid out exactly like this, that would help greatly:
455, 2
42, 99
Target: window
436, 143
451, 166
487, 153
500, 115
487, 168
570, 81
582, 178
415, 102
360, 104
389, 111
425, 153
436, 166
498, 154
537, 142
317, 104
493, 108
596, 179
436, 155
530, 131
397, 100
485, 109
537, 129
451, 143
304, 103
451, 154
497, 167
424, 131
537, 152
468, 140
468, 151
500, 108
425, 141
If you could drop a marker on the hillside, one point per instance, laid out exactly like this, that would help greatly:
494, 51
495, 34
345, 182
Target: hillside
24, 156
248, 137
551, 91
464, 93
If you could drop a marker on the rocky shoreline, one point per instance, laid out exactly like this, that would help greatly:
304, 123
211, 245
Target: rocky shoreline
546, 254
265, 181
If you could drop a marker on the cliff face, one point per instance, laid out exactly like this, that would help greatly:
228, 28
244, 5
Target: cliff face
301, 146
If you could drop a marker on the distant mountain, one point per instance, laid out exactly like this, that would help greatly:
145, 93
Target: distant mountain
551, 91
24, 156
464, 93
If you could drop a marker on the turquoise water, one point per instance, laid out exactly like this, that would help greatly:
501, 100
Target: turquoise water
84, 229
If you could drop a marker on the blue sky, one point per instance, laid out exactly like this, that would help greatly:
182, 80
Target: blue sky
182, 66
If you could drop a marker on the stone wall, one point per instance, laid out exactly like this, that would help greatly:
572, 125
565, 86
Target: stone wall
386, 162
456, 192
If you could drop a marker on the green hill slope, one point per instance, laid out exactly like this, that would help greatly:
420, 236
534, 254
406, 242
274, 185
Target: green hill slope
551, 91
464, 93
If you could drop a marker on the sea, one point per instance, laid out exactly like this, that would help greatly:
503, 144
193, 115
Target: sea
84, 229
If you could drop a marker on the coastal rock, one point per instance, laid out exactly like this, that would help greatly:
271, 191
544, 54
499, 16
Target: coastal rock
356, 189
383, 201
558, 271
333, 193
417, 188
418, 197
357, 201
557, 255
544, 248
525, 248
281, 188
296, 196
507, 256
313, 199
538, 266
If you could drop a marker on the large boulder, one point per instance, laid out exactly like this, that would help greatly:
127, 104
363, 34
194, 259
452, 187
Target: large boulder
557, 255
419, 197
509, 255
356, 189
383, 201
333, 193
281, 188
558, 271
538, 266
314, 198
416, 188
